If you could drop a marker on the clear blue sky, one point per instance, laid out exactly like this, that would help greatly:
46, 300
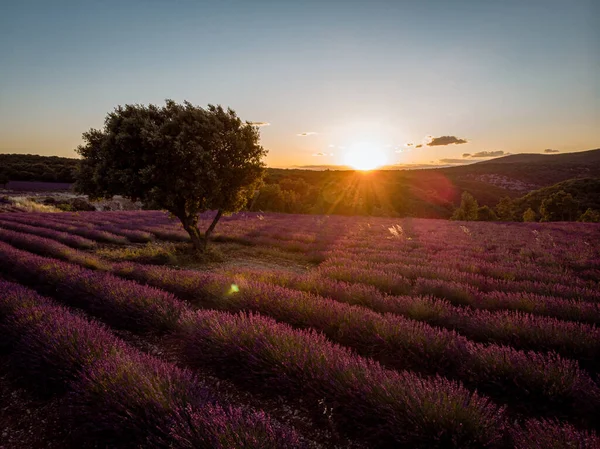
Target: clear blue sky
512, 76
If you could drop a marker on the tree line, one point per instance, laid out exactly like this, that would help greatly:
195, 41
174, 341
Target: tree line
31, 167
558, 206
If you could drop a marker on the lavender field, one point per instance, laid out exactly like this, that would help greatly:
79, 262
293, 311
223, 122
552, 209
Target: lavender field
304, 331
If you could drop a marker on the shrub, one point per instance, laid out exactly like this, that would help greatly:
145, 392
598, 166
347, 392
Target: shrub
590, 216
529, 215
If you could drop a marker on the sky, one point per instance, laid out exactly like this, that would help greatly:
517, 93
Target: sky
400, 83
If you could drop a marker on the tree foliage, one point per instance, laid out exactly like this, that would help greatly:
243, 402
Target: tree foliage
590, 216
529, 215
468, 210
505, 209
485, 213
30, 167
179, 157
560, 206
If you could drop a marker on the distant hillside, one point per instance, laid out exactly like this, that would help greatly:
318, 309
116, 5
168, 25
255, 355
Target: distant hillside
31, 167
586, 193
517, 174
430, 193
582, 157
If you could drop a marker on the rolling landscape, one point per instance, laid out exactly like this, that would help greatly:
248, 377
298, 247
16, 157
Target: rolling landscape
300, 225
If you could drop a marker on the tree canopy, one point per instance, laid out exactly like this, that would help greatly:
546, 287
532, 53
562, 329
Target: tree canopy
560, 206
468, 210
178, 157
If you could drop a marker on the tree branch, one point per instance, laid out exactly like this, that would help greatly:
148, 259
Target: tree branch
213, 224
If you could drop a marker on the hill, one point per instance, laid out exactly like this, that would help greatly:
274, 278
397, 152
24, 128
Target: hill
585, 192
517, 174
428, 193
32, 167
582, 157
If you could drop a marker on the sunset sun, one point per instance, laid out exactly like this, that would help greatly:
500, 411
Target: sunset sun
365, 157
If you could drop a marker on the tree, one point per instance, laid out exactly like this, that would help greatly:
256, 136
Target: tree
505, 209
484, 213
180, 157
559, 206
468, 210
529, 215
270, 198
590, 216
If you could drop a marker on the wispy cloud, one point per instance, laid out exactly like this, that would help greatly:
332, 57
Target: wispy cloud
444, 140
259, 124
486, 154
550, 151
308, 133
320, 154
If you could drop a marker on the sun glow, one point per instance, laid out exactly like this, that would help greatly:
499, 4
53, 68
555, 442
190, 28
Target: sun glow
365, 157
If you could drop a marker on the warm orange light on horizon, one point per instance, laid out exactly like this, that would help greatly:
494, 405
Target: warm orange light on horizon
365, 157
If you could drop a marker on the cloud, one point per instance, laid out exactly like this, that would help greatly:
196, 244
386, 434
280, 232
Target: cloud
466, 154
308, 133
322, 154
259, 124
550, 151
488, 154
409, 144
445, 140
419, 146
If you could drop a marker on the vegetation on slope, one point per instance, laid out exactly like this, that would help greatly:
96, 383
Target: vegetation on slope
32, 167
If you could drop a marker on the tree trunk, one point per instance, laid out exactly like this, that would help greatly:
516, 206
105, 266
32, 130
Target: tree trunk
200, 242
211, 228
191, 227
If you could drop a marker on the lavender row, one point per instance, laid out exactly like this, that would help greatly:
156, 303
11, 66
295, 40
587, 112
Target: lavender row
395, 341
89, 233
444, 267
264, 354
464, 285
391, 408
118, 396
50, 247
123, 304
65, 238
466, 418
563, 309
545, 434
179, 278
82, 223
520, 330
